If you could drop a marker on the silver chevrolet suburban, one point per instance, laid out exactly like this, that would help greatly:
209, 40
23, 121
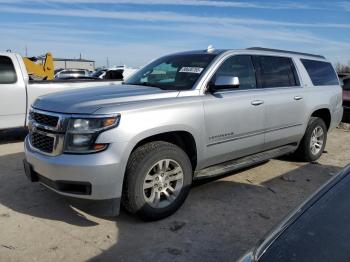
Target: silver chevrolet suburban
183, 117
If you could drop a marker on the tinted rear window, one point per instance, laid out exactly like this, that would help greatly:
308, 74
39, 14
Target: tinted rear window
276, 71
320, 72
7, 71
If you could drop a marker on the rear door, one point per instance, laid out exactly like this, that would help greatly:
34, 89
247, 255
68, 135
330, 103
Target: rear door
12, 94
282, 94
234, 118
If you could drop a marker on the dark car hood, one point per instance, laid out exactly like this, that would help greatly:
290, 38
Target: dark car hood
88, 100
317, 231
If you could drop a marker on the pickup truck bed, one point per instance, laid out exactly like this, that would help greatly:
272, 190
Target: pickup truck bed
17, 92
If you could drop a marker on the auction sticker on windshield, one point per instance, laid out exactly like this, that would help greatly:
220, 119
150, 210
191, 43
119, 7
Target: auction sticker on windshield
193, 70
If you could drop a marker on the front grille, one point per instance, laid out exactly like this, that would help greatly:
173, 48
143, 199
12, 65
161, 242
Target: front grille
42, 142
346, 103
45, 120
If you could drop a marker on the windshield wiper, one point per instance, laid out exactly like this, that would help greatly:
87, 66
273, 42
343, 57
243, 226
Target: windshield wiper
143, 84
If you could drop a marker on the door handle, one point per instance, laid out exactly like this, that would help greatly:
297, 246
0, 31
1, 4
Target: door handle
257, 102
298, 97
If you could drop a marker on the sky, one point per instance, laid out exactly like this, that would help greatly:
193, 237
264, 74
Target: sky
133, 32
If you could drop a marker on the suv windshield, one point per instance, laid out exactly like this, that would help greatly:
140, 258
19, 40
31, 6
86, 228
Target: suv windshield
176, 72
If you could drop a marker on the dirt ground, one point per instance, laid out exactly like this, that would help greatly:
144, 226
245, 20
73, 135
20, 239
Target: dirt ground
219, 221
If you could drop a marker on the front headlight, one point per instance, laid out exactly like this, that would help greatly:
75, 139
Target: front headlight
82, 125
83, 132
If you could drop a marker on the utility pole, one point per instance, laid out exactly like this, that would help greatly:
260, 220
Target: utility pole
107, 62
26, 51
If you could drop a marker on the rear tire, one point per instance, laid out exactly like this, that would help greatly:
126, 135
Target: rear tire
314, 141
157, 180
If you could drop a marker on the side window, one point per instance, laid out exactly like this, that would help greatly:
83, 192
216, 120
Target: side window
240, 66
321, 73
276, 71
114, 75
7, 71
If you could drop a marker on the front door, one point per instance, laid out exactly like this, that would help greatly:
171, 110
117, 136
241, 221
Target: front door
234, 118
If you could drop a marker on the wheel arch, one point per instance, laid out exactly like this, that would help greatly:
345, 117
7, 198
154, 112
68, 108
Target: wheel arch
182, 138
325, 114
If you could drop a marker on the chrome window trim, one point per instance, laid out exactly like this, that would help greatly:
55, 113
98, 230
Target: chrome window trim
228, 91
202, 82
256, 89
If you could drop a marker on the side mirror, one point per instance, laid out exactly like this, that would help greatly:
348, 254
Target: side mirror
225, 82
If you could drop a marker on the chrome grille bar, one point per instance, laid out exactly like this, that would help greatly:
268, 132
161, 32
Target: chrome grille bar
47, 131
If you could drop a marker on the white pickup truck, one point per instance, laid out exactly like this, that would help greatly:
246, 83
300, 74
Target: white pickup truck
17, 92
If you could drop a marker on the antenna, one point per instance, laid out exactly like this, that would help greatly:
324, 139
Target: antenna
210, 48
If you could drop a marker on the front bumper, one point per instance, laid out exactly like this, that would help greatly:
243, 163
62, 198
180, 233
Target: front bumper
95, 177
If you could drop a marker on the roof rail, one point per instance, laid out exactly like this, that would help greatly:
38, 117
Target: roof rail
284, 51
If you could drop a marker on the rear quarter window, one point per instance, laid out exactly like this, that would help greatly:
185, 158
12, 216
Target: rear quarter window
7, 71
321, 73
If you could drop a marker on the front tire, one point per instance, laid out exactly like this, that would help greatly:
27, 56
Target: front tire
158, 179
314, 141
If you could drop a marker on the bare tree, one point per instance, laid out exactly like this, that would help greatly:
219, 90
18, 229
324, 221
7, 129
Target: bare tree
341, 68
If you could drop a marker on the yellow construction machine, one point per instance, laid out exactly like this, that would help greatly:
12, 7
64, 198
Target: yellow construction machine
43, 71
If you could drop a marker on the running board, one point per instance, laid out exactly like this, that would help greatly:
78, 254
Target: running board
234, 165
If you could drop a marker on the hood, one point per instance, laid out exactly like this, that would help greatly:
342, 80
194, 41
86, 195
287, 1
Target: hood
89, 100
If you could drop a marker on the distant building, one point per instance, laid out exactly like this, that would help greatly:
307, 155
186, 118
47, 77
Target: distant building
68, 63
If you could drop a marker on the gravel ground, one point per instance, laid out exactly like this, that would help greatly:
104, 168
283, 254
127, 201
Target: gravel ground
220, 220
